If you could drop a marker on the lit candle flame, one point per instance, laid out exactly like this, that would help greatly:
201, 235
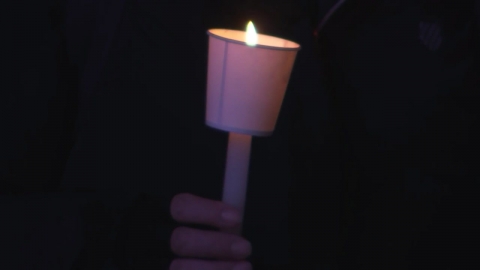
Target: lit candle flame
252, 37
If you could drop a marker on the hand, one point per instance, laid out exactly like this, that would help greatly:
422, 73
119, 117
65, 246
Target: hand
203, 249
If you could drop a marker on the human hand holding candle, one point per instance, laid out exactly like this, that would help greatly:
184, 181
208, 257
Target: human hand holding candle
247, 78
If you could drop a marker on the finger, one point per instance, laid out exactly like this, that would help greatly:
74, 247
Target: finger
189, 264
189, 208
188, 242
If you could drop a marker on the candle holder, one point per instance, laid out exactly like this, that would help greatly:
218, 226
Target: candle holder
248, 74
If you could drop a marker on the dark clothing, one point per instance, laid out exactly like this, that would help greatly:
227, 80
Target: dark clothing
36, 86
408, 126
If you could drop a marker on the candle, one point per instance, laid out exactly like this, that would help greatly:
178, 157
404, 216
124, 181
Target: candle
248, 74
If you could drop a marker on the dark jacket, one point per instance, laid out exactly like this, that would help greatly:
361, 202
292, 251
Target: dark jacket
408, 123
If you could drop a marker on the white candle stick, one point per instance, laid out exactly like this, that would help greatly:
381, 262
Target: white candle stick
236, 173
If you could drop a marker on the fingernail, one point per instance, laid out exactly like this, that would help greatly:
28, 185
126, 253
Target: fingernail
242, 266
231, 216
241, 248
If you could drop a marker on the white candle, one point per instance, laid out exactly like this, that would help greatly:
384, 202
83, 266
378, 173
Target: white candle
248, 74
